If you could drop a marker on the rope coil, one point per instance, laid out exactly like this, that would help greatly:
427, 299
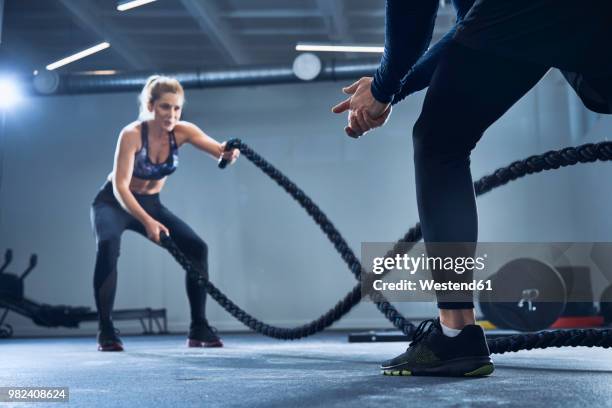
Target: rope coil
553, 159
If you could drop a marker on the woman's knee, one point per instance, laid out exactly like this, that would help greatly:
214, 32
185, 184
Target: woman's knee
202, 248
108, 248
200, 255
198, 250
106, 260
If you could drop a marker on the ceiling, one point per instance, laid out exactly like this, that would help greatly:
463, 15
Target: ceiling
174, 35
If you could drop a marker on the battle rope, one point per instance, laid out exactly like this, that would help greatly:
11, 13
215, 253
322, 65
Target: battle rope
550, 160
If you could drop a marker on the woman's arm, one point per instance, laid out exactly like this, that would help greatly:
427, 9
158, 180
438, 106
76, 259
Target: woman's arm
196, 137
127, 146
408, 30
420, 76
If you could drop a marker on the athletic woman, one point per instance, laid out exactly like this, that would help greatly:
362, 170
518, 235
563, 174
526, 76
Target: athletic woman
146, 154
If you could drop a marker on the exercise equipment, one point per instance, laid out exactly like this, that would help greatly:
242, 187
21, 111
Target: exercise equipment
605, 305
575, 322
569, 156
527, 295
12, 298
11, 286
580, 299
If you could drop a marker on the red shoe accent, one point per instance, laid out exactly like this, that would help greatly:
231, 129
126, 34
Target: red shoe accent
111, 347
572, 322
199, 343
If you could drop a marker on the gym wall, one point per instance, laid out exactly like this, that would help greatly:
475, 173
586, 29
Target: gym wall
58, 151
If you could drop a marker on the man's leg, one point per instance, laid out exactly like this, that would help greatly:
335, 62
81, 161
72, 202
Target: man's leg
470, 90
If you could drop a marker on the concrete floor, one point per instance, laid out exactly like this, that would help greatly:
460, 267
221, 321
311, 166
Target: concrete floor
325, 370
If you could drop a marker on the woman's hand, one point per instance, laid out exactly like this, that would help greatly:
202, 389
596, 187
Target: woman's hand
230, 156
365, 112
154, 229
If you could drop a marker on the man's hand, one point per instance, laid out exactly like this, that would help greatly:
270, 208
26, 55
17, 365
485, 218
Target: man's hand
364, 111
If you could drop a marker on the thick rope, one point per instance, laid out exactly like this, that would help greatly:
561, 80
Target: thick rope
550, 160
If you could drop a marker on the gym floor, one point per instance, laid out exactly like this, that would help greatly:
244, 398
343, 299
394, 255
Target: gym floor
324, 370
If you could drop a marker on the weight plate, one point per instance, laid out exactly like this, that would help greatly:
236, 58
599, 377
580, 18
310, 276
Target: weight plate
488, 311
526, 295
605, 305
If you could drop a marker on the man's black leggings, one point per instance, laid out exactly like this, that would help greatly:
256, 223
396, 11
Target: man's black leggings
469, 91
109, 221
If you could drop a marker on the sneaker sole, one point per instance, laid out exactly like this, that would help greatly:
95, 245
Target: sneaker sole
463, 367
198, 343
112, 347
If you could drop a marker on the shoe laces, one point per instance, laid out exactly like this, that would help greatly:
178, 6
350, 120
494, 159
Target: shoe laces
423, 330
112, 333
116, 332
204, 325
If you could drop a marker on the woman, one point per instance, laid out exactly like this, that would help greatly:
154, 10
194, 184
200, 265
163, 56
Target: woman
146, 154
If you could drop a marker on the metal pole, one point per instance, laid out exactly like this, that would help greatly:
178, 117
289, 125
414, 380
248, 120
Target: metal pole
1, 18
2, 130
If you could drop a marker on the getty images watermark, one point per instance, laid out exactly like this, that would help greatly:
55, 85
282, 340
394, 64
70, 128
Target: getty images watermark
458, 272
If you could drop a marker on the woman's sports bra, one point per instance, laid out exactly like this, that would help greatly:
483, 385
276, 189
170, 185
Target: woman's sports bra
144, 168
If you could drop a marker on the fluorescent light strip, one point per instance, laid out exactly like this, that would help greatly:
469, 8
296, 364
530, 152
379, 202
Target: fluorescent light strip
132, 4
339, 48
78, 56
100, 72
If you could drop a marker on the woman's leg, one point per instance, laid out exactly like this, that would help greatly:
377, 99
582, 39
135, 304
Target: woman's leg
197, 251
109, 222
469, 91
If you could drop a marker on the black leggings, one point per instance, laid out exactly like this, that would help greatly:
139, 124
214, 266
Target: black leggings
109, 221
469, 91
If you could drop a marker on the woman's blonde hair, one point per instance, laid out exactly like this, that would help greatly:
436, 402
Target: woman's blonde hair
154, 88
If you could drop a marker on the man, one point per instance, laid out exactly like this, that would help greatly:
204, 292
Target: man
498, 50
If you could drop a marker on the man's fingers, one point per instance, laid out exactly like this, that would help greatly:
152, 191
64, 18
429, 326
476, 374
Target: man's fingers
342, 106
359, 119
367, 120
354, 124
351, 88
379, 121
350, 132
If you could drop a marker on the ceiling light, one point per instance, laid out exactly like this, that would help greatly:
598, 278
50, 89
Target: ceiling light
99, 72
130, 4
10, 93
339, 48
78, 55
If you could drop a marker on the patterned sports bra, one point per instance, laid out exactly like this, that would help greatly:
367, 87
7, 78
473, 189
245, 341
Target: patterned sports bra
144, 168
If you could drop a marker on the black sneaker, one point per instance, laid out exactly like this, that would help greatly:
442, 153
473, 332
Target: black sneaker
108, 339
203, 335
433, 353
